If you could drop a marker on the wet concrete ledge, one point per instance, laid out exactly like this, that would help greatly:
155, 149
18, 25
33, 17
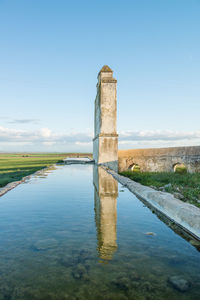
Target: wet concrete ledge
185, 215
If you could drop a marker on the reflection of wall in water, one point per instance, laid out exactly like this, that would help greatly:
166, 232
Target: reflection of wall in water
105, 197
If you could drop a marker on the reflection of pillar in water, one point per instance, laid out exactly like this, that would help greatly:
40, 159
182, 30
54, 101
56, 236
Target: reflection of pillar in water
105, 197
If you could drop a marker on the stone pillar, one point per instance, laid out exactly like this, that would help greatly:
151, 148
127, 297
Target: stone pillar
105, 143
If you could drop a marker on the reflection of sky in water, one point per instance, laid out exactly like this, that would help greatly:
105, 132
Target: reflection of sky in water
55, 234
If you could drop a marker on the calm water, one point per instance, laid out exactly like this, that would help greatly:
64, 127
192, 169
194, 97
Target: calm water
74, 233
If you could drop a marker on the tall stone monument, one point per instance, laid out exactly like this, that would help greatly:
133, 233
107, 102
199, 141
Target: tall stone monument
105, 143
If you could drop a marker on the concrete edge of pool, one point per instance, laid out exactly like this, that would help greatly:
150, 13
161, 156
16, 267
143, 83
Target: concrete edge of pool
11, 185
185, 215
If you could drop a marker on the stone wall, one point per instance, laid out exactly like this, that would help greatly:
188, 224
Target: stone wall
160, 159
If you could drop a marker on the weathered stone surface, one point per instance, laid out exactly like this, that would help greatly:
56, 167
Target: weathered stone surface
178, 195
160, 159
105, 143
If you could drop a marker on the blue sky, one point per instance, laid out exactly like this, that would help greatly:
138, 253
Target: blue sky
52, 50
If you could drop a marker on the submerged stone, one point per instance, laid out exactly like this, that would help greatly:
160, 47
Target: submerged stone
122, 283
176, 260
113, 296
146, 286
150, 233
66, 261
45, 244
179, 283
135, 276
84, 255
195, 243
79, 271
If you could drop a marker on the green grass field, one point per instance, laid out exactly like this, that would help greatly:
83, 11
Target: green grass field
14, 167
184, 186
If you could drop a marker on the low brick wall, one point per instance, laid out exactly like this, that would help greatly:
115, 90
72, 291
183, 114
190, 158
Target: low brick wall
160, 159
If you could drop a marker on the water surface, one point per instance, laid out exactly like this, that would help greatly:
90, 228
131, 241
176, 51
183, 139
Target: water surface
74, 233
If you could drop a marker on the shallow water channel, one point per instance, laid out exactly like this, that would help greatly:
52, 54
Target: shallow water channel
75, 233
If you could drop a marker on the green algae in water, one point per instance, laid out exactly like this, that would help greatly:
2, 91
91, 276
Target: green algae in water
63, 237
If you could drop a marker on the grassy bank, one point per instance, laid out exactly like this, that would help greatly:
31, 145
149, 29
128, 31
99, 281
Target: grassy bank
185, 187
14, 167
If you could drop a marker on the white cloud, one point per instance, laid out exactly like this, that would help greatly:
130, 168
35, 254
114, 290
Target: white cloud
153, 135
158, 138
45, 132
84, 143
14, 139
48, 143
18, 140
